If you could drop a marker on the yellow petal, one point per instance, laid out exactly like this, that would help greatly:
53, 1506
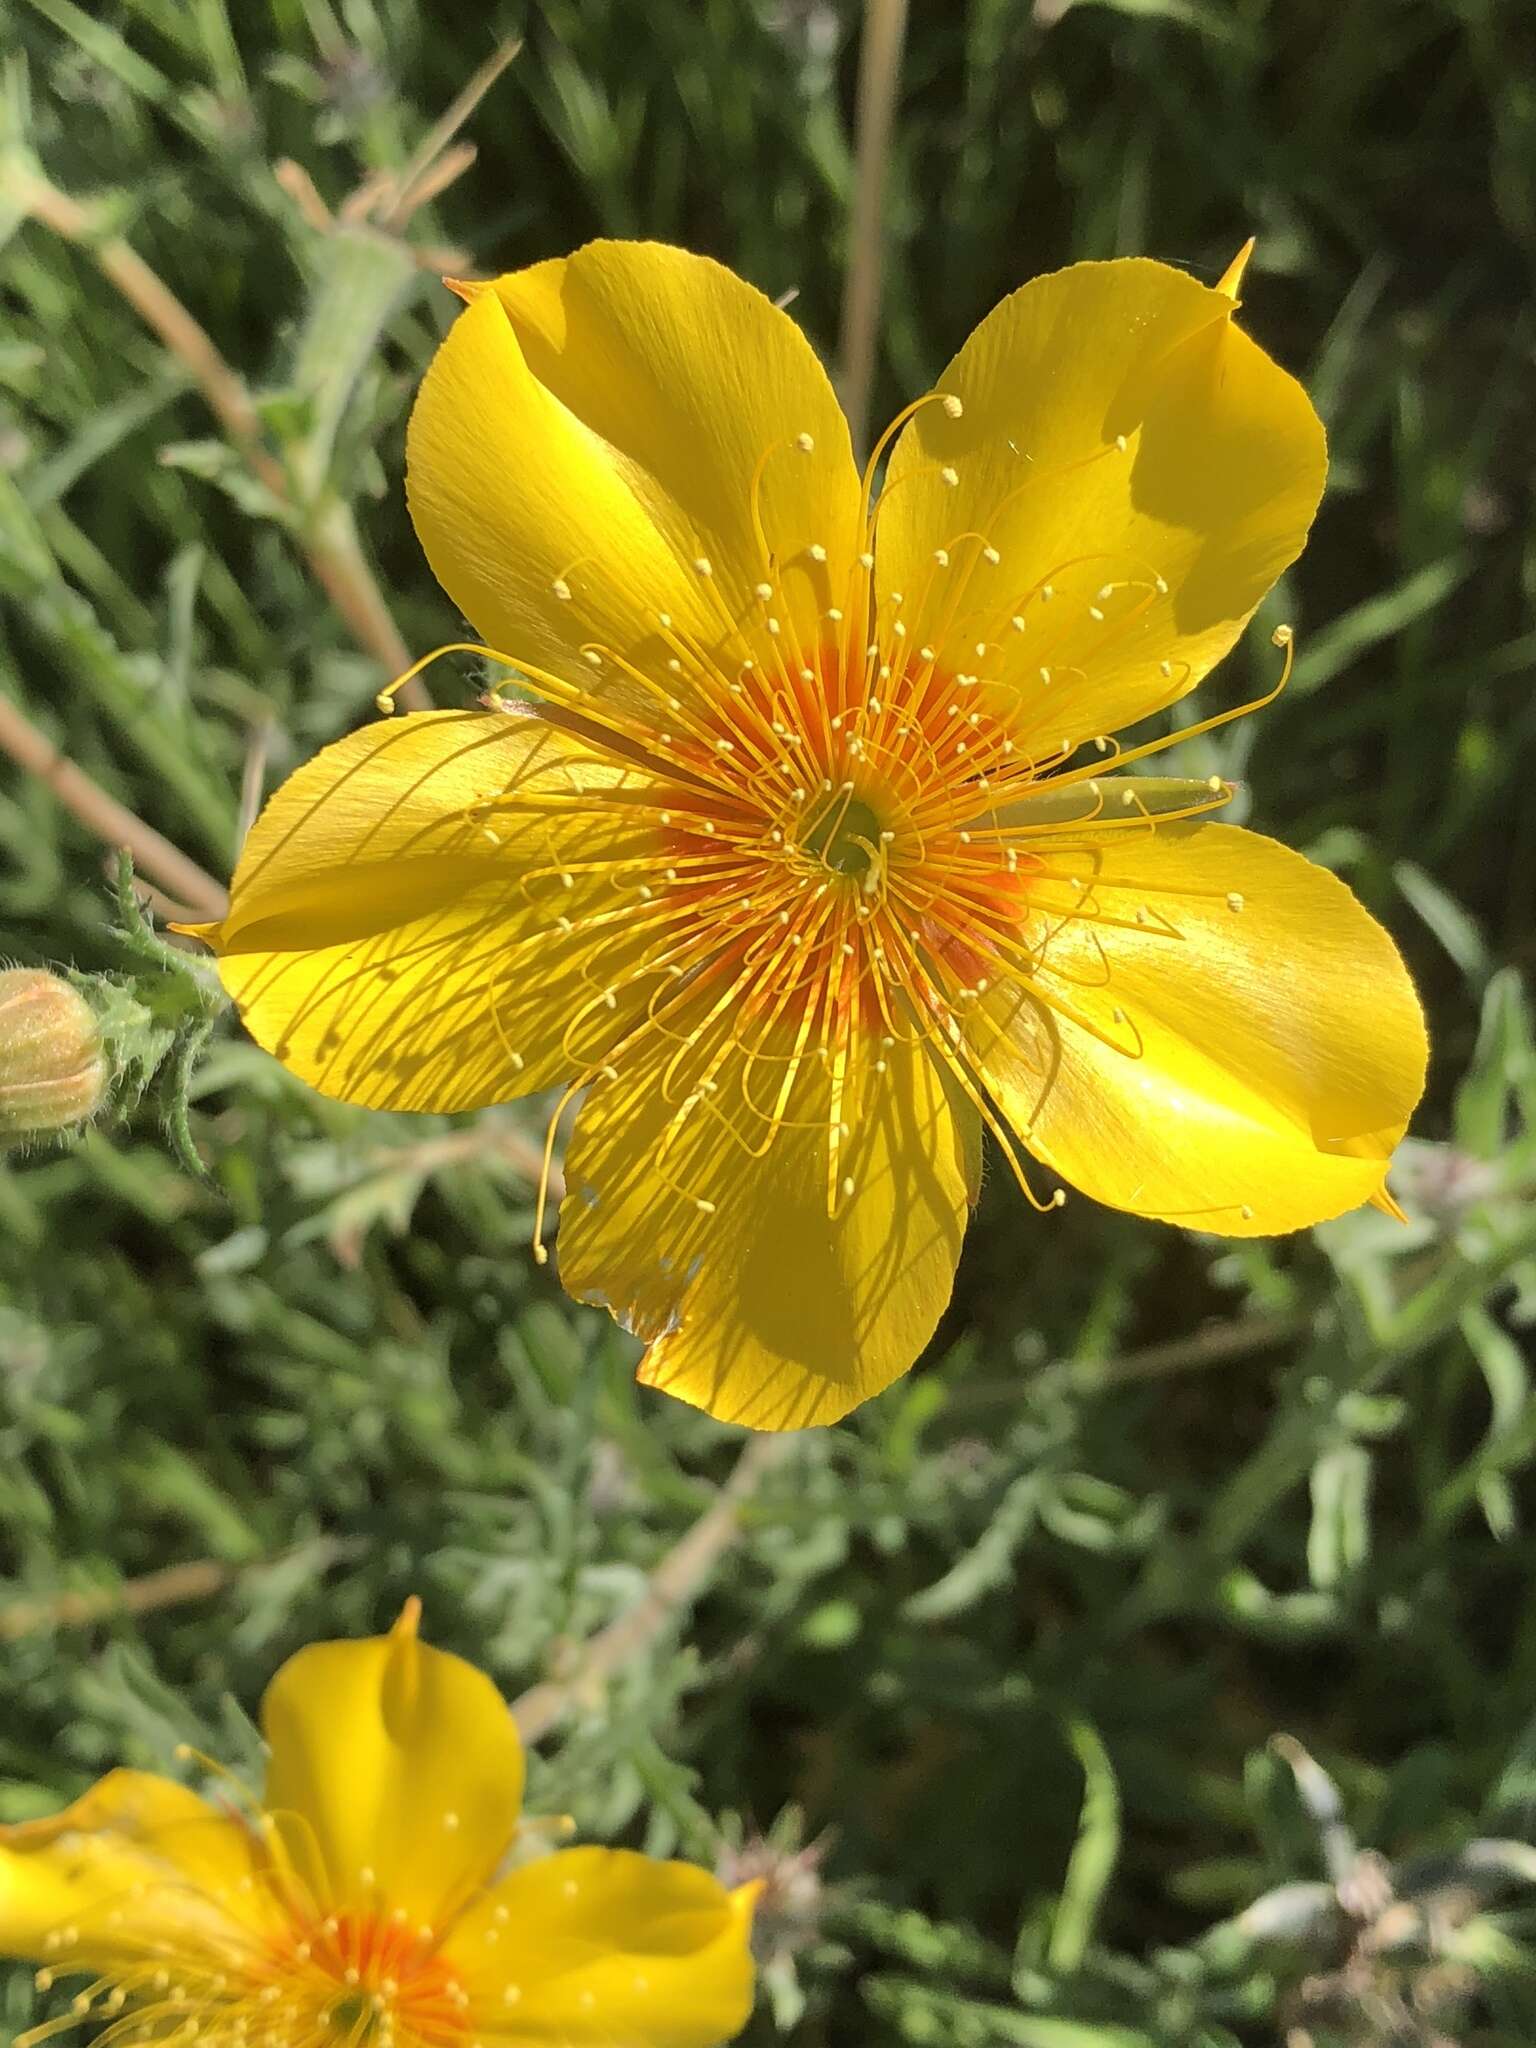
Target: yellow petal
1223, 1038
1211, 494
396, 1774
760, 1308
601, 1946
400, 931
186, 1867
616, 435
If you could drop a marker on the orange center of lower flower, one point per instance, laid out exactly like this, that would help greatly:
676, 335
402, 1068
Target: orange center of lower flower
368, 1980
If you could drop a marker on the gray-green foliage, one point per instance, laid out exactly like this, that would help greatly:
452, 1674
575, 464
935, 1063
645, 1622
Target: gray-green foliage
1017, 1640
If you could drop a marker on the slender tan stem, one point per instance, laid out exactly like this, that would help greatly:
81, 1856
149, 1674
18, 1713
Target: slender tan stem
158, 307
416, 186
674, 1585
490, 1138
199, 1579
1214, 1344
104, 815
885, 23
335, 555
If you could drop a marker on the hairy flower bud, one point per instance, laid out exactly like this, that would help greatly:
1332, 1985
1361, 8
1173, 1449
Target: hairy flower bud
53, 1072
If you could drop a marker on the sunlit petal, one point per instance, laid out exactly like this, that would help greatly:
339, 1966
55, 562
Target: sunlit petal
1127, 476
608, 1947
396, 1774
704, 1227
1215, 1033
430, 913
620, 448
185, 1867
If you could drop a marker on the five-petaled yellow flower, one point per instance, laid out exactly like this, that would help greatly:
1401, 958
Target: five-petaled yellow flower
362, 1905
797, 857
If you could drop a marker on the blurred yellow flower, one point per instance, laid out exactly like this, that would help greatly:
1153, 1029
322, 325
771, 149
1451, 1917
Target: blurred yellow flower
803, 864
361, 1905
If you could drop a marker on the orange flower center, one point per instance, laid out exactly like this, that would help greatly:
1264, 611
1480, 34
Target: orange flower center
843, 852
366, 1980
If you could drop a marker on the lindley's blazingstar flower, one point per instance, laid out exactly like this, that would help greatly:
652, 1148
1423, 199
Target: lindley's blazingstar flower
803, 863
360, 1905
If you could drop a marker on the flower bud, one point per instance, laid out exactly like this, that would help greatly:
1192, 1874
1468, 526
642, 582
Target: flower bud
53, 1072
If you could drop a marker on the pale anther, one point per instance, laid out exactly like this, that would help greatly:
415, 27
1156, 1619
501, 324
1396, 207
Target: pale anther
816, 551
941, 556
703, 566
952, 405
1234, 899
804, 443
950, 475
562, 589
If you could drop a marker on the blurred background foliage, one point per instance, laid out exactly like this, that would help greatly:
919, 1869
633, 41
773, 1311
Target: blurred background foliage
1006, 1681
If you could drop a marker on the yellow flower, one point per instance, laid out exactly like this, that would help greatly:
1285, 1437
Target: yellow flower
803, 864
360, 1906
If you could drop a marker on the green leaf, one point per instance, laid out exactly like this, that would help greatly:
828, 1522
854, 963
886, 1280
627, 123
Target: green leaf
1094, 1854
